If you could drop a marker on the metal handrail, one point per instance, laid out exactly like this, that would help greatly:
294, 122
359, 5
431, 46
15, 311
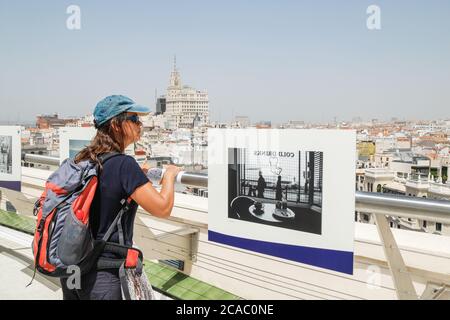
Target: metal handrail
186, 178
403, 206
377, 203
40, 159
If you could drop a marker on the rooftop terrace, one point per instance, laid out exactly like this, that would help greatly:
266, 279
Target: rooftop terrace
389, 263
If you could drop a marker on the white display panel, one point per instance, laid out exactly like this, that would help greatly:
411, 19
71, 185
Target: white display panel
286, 193
10, 157
73, 139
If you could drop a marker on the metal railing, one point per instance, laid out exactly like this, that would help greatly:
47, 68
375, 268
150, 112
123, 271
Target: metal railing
186, 178
403, 206
40, 159
379, 204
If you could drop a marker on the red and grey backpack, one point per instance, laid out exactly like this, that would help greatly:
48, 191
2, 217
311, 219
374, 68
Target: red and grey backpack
63, 236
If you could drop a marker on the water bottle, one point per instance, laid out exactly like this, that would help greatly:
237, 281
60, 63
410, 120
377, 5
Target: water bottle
155, 175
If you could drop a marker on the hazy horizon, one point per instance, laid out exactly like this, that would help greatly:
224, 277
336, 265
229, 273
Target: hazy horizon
278, 61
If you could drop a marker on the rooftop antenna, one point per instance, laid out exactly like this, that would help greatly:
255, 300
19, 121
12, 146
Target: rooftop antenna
175, 62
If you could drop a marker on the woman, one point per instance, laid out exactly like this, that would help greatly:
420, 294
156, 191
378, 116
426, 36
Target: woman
117, 122
279, 194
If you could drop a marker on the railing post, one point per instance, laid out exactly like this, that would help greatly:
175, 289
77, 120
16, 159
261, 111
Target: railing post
402, 279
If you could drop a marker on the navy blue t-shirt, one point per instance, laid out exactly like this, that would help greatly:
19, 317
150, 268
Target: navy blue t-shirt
118, 180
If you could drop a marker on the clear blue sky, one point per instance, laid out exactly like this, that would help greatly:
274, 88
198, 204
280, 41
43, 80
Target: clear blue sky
273, 60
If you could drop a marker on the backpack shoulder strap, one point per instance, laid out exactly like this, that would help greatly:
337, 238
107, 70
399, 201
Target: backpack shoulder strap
124, 205
106, 156
118, 223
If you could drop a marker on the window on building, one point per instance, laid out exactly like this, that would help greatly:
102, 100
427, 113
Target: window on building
424, 224
438, 226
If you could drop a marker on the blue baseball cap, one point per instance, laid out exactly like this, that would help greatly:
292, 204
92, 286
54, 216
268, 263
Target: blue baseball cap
114, 105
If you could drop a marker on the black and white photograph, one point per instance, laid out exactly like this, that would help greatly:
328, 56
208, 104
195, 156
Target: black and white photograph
277, 188
6, 154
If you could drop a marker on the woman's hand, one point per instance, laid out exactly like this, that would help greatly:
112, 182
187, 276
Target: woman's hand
145, 167
160, 203
172, 172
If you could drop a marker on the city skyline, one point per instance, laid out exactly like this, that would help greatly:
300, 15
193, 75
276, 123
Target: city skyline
331, 121
272, 61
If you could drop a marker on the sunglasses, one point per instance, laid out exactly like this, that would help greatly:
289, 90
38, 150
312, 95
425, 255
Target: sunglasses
134, 118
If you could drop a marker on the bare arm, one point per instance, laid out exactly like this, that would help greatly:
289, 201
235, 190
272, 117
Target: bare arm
159, 204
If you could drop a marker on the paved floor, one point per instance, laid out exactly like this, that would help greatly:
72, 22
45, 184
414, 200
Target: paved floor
16, 271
